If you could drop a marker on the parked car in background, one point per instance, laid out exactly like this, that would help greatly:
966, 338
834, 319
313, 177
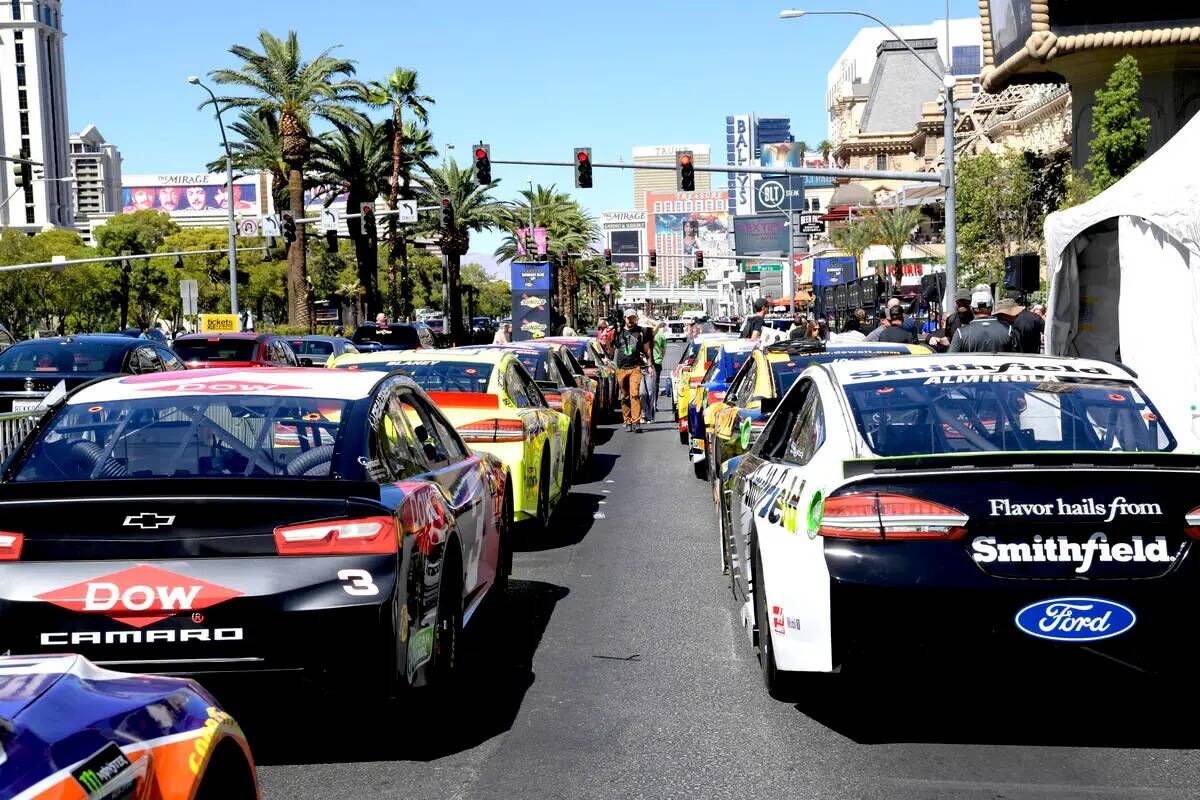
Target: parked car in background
6, 339
32, 369
596, 365
156, 334
235, 350
315, 351
370, 337
72, 729
676, 330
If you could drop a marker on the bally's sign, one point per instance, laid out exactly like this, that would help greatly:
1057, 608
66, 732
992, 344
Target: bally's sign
743, 156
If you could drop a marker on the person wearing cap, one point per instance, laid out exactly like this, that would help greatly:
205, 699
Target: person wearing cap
631, 349
752, 328
894, 332
962, 313
1028, 325
884, 319
985, 333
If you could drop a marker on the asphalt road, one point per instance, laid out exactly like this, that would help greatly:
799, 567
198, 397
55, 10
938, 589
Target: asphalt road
617, 668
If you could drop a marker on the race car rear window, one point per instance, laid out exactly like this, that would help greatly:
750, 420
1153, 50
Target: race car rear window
450, 376
535, 363
216, 350
62, 356
403, 337
219, 436
979, 413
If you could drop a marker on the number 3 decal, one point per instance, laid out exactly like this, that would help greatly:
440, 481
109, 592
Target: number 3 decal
357, 582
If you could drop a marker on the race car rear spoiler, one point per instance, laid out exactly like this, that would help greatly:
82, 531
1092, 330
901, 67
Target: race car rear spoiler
1021, 459
191, 487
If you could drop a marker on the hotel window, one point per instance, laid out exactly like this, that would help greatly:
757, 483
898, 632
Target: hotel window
22, 99
16, 9
20, 74
658, 207
24, 124
19, 50
881, 161
965, 60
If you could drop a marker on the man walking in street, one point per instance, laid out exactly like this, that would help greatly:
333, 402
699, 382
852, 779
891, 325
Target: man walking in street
658, 349
985, 333
631, 348
752, 329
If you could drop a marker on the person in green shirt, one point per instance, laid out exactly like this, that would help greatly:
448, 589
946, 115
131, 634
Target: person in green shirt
657, 351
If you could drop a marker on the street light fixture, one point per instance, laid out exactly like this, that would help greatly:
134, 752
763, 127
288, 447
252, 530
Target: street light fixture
947, 81
233, 297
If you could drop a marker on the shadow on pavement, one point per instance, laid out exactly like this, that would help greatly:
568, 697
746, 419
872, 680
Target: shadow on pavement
1057, 710
599, 467
500, 644
570, 525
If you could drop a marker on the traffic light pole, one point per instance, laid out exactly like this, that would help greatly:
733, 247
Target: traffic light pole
816, 172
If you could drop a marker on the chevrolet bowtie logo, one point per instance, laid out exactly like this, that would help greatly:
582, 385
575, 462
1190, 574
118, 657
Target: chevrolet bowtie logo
149, 521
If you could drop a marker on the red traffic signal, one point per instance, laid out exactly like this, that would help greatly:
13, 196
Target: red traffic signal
699, 259
483, 164
653, 258
607, 257
583, 167
685, 171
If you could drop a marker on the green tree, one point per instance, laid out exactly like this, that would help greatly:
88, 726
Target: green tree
1119, 130
854, 238
826, 147
474, 209
802, 148
894, 228
399, 92
141, 283
356, 159
493, 297
258, 147
296, 92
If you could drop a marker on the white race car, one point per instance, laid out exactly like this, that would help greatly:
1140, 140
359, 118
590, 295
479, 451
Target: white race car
900, 513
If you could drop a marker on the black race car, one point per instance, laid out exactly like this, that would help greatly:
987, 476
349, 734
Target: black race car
324, 522
31, 369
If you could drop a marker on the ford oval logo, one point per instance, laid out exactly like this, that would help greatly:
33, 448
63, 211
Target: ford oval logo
1075, 619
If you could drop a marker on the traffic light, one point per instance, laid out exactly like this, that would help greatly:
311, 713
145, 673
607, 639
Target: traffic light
483, 164
699, 259
178, 262
368, 220
653, 258
607, 257
583, 167
685, 171
289, 229
331, 245
20, 172
447, 215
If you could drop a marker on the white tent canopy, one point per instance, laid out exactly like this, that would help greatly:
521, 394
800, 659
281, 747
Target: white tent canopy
1124, 274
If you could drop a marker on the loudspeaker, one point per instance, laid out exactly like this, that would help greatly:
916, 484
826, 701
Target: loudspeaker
1021, 272
855, 298
839, 297
933, 287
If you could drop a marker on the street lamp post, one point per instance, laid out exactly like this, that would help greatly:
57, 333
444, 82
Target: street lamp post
947, 81
233, 297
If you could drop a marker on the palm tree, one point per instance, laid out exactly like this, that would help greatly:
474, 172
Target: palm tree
826, 147
854, 238
894, 227
357, 159
259, 148
418, 150
802, 147
473, 209
399, 91
296, 92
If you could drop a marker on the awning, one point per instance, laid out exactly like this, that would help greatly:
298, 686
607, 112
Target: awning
916, 194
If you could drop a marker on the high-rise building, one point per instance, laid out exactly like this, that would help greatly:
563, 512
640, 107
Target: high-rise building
745, 134
850, 75
96, 167
663, 180
33, 115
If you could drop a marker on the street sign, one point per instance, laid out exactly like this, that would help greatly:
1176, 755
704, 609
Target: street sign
753, 268
248, 227
189, 291
773, 195
219, 323
408, 211
329, 220
270, 226
811, 223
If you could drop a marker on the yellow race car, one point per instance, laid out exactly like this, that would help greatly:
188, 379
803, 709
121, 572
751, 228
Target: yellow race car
497, 408
696, 360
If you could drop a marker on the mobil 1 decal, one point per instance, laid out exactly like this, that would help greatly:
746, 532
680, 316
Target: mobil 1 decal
1075, 537
773, 493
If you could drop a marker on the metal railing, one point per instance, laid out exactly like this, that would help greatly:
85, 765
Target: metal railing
14, 427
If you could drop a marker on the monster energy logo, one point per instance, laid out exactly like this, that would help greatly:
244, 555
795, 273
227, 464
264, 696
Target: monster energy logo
90, 781
101, 769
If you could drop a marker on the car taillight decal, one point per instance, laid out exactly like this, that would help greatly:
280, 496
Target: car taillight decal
140, 596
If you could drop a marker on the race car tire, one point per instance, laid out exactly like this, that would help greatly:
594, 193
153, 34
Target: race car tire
447, 643
542, 520
779, 684
723, 534
700, 468
570, 464
504, 559
683, 435
228, 776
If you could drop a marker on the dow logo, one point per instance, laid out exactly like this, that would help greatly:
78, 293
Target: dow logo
770, 195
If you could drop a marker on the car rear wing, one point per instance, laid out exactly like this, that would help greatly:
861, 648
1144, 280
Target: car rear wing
192, 488
976, 461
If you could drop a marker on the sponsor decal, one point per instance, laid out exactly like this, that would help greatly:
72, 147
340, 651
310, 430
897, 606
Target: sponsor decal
425, 519
532, 301
1060, 549
1018, 378
149, 521
420, 648
216, 718
165, 636
101, 769
777, 619
773, 498
744, 434
219, 387
139, 596
1087, 507
816, 514
994, 369
1075, 619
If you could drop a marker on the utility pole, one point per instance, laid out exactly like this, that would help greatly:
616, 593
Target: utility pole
233, 295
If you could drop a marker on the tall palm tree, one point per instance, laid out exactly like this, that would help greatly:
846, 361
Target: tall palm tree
258, 148
854, 238
826, 147
802, 147
417, 151
357, 159
296, 92
894, 227
473, 209
400, 90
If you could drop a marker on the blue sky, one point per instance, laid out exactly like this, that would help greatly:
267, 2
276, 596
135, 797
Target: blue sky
533, 78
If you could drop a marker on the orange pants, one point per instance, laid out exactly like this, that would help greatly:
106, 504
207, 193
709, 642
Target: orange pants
630, 381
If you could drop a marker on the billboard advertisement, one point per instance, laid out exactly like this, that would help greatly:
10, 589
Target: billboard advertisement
530, 306
785, 154
680, 223
761, 235
186, 193
625, 246
623, 220
834, 270
740, 151
526, 276
775, 195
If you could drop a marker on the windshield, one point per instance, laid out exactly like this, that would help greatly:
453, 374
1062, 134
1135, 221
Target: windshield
216, 349
436, 376
401, 337
910, 417
218, 436
63, 356
535, 362
312, 347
